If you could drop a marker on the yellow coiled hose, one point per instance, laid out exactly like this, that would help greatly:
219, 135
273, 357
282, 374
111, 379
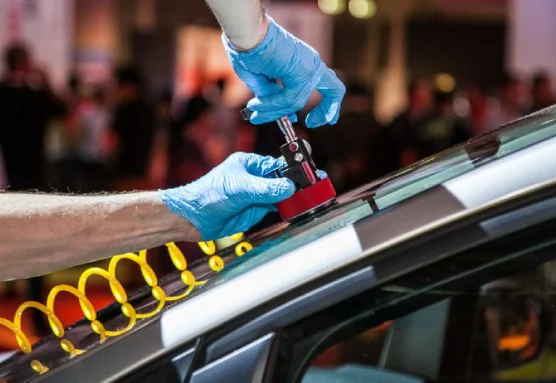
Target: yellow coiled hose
216, 263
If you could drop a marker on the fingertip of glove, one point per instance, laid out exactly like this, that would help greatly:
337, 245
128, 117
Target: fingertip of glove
315, 121
293, 118
288, 187
260, 118
254, 104
312, 121
255, 119
284, 188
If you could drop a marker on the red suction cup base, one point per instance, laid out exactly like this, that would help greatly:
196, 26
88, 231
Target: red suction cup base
306, 200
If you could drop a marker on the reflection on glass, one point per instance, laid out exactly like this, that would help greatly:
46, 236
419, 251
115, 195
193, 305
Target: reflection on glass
513, 321
513, 330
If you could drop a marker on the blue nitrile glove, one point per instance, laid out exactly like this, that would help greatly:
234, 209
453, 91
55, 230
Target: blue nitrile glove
232, 198
281, 56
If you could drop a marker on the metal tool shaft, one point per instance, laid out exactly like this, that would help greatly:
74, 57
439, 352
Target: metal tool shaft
284, 123
287, 129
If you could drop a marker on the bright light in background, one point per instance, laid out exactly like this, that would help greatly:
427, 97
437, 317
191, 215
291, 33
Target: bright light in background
332, 7
362, 9
444, 82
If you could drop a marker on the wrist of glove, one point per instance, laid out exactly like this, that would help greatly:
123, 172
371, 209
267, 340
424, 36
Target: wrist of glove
232, 198
282, 56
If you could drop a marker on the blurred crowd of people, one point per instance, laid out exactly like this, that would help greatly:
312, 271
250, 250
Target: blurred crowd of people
115, 137
111, 137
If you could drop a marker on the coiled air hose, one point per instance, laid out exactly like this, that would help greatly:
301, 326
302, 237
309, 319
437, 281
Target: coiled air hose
216, 263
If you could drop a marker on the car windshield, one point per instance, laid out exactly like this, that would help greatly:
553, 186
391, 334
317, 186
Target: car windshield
281, 238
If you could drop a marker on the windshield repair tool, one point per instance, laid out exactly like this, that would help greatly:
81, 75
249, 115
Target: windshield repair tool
312, 193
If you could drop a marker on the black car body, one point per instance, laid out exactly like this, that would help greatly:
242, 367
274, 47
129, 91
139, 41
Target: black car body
416, 252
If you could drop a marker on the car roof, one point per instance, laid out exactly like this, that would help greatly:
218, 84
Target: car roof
353, 242
478, 172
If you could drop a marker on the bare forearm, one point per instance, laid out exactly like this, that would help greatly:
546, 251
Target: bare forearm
243, 21
42, 233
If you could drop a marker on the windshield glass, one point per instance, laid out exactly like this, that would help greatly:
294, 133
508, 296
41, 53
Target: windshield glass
281, 238
451, 163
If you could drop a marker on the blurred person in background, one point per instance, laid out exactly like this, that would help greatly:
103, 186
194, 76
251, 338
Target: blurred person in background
216, 129
185, 156
224, 119
401, 134
479, 111
133, 128
164, 123
61, 156
343, 150
3, 176
74, 90
511, 103
359, 128
443, 130
92, 150
205, 133
542, 95
27, 105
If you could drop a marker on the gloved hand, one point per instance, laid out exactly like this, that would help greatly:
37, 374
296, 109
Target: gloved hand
232, 198
281, 56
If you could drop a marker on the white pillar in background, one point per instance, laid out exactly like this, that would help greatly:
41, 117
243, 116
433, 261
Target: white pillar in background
391, 87
531, 36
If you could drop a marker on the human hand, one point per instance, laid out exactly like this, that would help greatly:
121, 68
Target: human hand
231, 198
300, 70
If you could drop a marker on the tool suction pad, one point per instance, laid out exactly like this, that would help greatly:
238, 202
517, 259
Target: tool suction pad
310, 199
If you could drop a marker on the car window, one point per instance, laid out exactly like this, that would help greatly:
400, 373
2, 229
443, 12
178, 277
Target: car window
515, 317
446, 165
510, 335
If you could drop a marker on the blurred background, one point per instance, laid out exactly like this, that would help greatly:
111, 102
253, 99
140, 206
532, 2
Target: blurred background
116, 95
